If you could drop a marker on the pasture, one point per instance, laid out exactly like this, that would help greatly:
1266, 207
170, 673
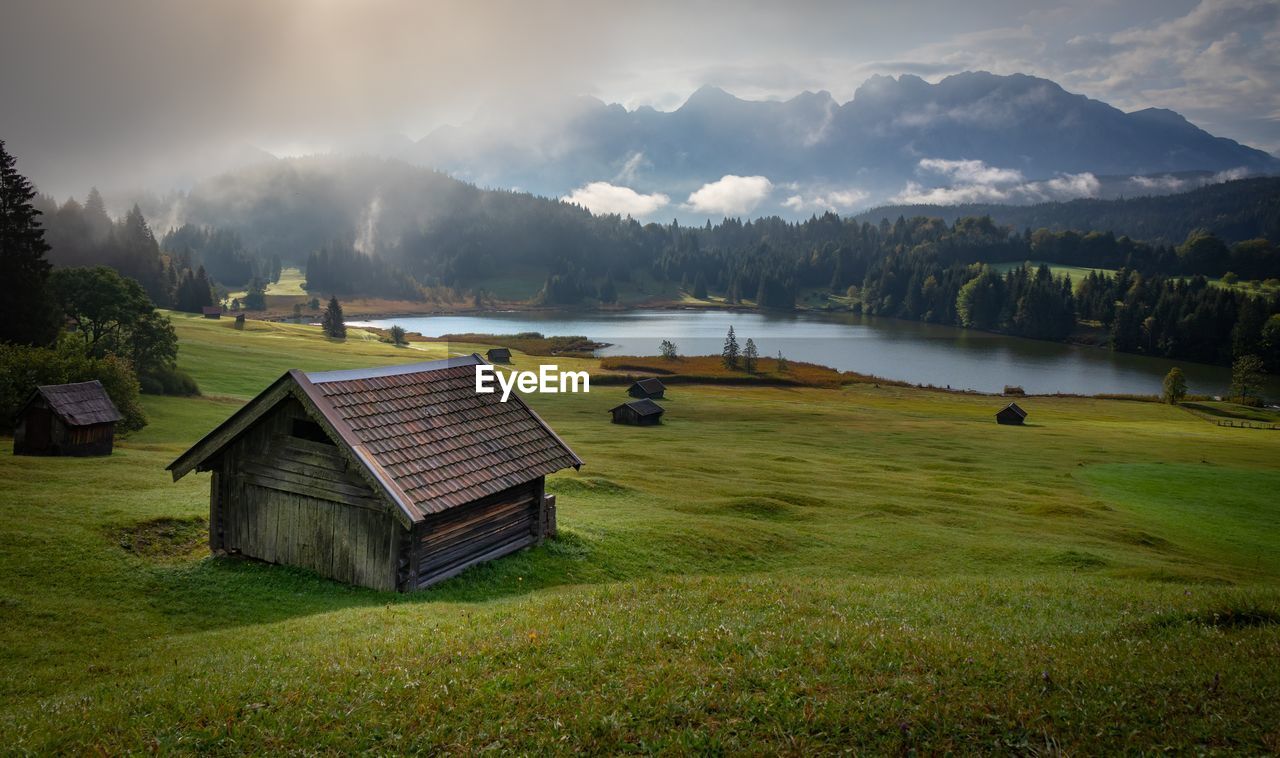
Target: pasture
790, 569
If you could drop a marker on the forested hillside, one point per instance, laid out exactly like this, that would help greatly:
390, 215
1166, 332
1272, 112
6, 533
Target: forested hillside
1235, 211
366, 227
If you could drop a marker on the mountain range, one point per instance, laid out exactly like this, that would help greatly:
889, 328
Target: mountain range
971, 137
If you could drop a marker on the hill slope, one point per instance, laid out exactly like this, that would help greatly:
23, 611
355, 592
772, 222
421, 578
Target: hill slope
1237, 210
885, 570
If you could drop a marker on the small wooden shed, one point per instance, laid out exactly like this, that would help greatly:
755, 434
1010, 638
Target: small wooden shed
66, 419
650, 388
638, 413
1011, 414
212, 311
498, 355
391, 478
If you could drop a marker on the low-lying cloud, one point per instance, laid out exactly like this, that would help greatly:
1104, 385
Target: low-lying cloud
1166, 183
970, 172
972, 181
604, 198
837, 200
730, 196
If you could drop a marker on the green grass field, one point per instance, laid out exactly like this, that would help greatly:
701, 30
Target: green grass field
291, 281
772, 570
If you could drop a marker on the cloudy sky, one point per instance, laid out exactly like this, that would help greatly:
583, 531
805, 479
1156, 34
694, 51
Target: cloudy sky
134, 93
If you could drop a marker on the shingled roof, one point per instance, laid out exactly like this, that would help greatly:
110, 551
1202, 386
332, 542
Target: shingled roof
420, 431
651, 385
645, 407
79, 404
1016, 409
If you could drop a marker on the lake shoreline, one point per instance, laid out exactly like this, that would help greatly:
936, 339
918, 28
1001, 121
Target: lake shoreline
917, 353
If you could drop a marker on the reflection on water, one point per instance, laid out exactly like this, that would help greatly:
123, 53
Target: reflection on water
904, 350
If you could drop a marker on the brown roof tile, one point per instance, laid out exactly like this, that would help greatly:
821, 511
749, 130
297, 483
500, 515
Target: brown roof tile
439, 441
80, 404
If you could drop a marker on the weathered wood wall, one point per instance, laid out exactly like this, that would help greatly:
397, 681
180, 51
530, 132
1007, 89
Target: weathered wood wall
39, 431
447, 543
287, 499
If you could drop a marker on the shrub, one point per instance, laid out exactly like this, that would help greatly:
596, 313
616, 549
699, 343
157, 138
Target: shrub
22, 369
168, 380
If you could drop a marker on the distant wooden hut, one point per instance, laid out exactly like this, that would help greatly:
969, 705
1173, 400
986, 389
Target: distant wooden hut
498, 355
1011, 414
638, 413
212, 311
66, 419
391, 478
647, 388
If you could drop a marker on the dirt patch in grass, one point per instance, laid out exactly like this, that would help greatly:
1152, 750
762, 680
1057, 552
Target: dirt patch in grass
164, 537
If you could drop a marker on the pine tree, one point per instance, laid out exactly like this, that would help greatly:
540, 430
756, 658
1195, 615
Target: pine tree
700, 287
730, 353
95, 214
331, 320
28, 314
749, 356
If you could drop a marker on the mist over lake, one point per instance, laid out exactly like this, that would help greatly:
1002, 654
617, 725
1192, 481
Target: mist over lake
891, 348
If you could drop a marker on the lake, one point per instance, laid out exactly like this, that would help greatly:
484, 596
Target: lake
904, 350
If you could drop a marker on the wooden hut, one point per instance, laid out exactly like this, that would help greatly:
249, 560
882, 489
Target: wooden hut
638, 413
212, 311
66, 419
1011, 414
650, 388
391, 478
498, 355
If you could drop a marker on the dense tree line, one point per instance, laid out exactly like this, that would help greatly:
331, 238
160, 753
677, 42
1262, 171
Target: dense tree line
112, 329
420, 230
221, 253
1236, 211
339, 268
84, 236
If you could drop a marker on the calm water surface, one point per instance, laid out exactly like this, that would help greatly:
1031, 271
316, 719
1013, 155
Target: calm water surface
904, 350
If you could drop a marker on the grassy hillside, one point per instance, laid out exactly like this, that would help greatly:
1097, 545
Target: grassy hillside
773, 569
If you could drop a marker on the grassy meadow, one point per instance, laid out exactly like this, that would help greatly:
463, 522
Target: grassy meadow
774, 569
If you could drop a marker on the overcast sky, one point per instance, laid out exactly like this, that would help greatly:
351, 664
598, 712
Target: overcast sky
130, 93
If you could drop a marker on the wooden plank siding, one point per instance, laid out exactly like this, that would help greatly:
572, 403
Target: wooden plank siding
295, 501
447, 543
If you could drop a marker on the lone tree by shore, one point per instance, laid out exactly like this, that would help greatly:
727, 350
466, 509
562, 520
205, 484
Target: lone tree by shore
1246, 377
331, 320
749, 356
730, 353
1175, 386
